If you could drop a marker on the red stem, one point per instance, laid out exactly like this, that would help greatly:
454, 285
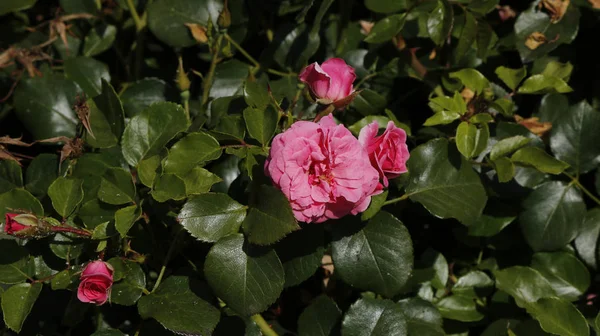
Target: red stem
79, 232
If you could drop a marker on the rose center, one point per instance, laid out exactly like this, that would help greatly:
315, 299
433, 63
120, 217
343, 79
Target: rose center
319, 172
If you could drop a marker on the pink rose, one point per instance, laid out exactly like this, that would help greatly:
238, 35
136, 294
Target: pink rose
11, 226
388, 152
96, 282
330, 83
323, 170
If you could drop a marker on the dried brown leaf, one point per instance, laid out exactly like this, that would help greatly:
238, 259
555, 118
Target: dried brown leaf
534, 125
535, 40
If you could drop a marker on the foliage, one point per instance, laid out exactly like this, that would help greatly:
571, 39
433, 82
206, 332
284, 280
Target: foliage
136, 132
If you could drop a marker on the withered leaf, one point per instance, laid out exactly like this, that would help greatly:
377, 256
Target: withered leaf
535, 40
534, 125
198, 32
6, 140
556, 8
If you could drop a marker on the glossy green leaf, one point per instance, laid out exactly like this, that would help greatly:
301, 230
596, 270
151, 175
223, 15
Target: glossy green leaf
386, 29
471, 140
301, 253
472, 79
261, 124
460, 308
106, 118
199, 181
269, 218
586, 242
454, 104
17, 302
467, 36
40, 173
376, 204
10, 176
230, 77
211, 216
567, 275
192, 150
444, 182
552, 107
256, 95
178, 305
387, 6
374, 318
99, 39
126, 217
508, 145
117, 187
14, 262
440, 22
248, 279
319, 318
505, 169
66, 194
168, 187
51, 113
525, 284
19, 200
474, 284
149, 131
539, 159
441, 118
423, 318
140, 95
496, 216
574, 138
511, 77
147, 170
379, 257
538, 84
132, 281
552, 216
558, 316
88, 73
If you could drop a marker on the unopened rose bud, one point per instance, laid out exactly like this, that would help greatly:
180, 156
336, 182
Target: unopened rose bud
12, 224
330, 82
183, 82
224, 20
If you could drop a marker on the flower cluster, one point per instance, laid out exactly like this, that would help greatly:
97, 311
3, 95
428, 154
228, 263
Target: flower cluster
323, 170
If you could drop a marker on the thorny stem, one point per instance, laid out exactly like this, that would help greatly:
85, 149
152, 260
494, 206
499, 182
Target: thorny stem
211, 70
265, 328
575, 181
80, 232
242, 50
167, 257
396, 200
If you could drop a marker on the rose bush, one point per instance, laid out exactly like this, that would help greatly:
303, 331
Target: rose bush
241, 167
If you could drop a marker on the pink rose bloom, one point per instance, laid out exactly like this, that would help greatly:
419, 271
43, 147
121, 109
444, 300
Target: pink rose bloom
388, 152
323, 171
96, 282
331, 82
11, 226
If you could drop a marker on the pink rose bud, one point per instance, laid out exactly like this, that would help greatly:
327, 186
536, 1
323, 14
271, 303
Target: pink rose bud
323, 171
388, 152
331, 82
96, 282
12, 225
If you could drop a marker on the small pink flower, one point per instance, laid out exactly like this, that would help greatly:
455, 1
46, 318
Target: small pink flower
96, 282
11, 226
388, 152
331, 82
323, 171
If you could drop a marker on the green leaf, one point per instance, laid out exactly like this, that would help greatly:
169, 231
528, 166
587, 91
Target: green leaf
14, 262
471, 140
472, 79
143, 93
319, 318
574, 137
256, 95
486, 39
384, 30
460, 308
369, 102
508, 145
51, 113
455, 104
19, 200
64, 246
192, 150
104, 231
168, 187
505, 169
246, 278
199, 181
88, 73
10, 176
132, 281
17, 302
440, 22
431, 267
66, 194
176, 304
444, 182
64, 279
534, 20
524, 284
167, 19
552, 215
106, 118
377, 203
148, 132
211, 216
511, 77
387, 6
261, 124
538, 84
126, 217
147, 170
539, 159
467, 36
496, 216
379, 257
371, 317
230, 77
230, 127
423, 318
301, 253
441, 118
117, 187
504, 106
557, 69
270, 217
94, 213
474, 284
552, 107
108, 332
567, 275
99, 39
9, 6
558, 316
587, 240
40, 173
